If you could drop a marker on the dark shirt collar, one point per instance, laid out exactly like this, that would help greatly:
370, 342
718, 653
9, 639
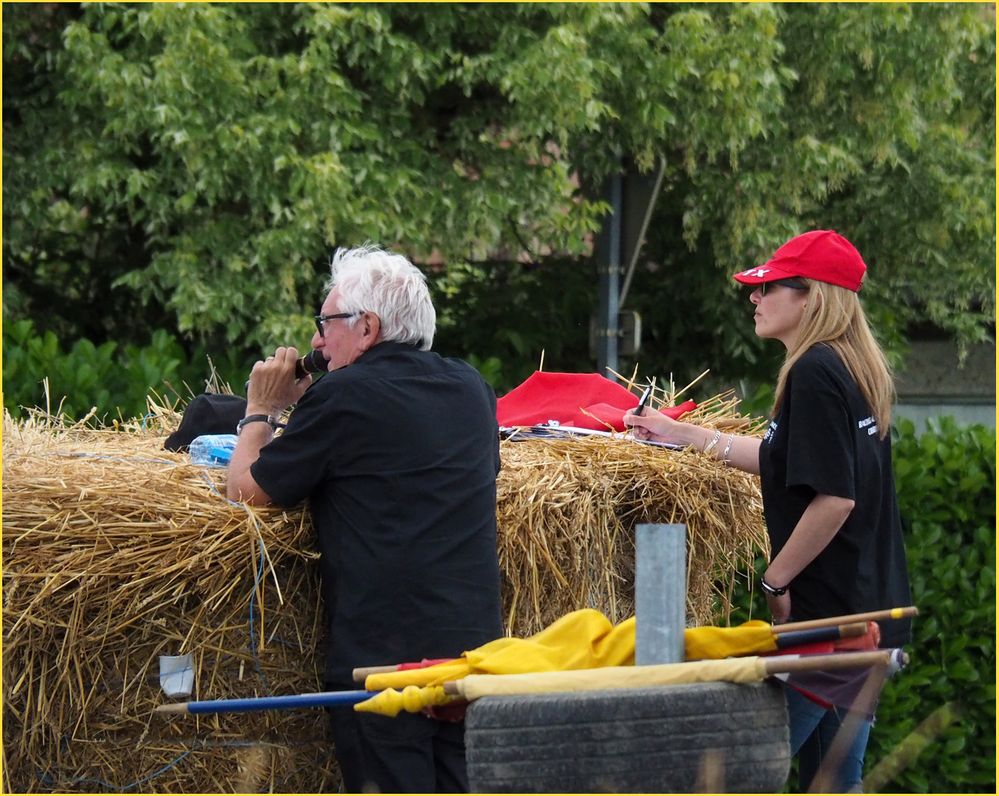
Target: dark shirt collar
384, 349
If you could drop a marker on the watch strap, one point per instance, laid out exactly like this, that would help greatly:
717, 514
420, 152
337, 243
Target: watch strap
773, 591
255, 419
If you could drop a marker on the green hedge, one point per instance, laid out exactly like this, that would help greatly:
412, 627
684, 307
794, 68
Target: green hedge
946, 482
111, 378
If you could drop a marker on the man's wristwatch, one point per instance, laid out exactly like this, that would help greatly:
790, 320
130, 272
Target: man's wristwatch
271, 420
773, 591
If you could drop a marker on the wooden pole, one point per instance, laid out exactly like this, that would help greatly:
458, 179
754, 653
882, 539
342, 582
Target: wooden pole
870, 616
360, 674
781, 664
777, 664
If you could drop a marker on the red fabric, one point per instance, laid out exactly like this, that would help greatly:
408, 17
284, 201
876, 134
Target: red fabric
871, 640
822, 703
573, 399
452, 713
827, 689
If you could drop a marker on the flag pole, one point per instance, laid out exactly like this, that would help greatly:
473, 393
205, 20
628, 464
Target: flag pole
785, 664
286, 702
870, 616
777, 664
360, 674
813, 635
792, 638
739, 669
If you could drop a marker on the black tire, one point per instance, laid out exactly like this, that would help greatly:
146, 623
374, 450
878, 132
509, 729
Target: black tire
717, 737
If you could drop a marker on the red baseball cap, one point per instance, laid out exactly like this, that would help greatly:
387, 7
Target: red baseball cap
822, 255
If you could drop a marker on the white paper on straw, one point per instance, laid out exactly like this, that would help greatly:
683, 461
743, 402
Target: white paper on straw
177, 675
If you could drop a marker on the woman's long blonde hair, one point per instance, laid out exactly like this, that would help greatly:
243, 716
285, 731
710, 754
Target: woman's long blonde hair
833, 316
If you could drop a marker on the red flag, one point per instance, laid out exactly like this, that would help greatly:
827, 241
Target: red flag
583, 400
841, 687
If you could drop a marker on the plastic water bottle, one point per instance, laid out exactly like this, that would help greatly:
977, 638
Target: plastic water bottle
212, 450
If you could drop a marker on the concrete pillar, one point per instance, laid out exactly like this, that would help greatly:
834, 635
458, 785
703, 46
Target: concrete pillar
660, 593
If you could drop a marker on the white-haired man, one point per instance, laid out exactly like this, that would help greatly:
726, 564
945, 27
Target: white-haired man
396, 450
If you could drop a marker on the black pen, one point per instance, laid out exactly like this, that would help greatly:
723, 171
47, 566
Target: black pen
644, 400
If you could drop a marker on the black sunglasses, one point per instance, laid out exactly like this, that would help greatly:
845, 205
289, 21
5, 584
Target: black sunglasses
795, 283
321, 320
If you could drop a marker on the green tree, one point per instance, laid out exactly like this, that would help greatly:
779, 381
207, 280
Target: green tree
885, 133
192, 166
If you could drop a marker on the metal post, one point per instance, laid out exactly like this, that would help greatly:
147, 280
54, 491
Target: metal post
660, 593
608, 251
640, 193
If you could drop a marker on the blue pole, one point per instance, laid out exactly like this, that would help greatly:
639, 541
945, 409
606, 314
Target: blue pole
287, 702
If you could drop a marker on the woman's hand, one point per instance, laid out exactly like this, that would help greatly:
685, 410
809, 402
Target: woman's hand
657, 427
780, 608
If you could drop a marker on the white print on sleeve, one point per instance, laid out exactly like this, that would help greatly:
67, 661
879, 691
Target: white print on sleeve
870, 424
770, 431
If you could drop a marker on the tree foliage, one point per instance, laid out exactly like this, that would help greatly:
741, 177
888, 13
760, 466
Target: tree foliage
192, 166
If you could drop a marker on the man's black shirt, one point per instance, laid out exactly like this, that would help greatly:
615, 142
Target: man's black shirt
398, 455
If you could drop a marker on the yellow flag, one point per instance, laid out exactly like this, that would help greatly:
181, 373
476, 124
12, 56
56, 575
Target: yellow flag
583, 639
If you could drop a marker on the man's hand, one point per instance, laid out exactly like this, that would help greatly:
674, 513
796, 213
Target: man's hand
272, 387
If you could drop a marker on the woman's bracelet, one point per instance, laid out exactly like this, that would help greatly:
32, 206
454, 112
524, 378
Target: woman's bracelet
728, 448
714, 441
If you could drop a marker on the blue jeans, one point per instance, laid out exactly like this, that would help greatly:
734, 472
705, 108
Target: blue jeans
812, 730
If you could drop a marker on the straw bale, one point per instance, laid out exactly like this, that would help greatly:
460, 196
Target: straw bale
116, 551
567, 509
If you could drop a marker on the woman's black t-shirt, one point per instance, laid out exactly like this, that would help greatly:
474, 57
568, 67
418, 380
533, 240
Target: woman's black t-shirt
825, 440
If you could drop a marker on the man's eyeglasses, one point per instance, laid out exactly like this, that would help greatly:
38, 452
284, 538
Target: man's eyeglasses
321, 320
795, 283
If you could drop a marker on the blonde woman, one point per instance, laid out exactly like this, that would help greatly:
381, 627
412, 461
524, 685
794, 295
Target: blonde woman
824, 463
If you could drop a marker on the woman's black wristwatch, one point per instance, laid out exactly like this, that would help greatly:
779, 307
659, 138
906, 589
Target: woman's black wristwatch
772, 590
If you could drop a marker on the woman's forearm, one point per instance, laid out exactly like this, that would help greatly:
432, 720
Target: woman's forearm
818, 525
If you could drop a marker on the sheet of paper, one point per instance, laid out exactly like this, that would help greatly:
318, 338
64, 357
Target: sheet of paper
177, 675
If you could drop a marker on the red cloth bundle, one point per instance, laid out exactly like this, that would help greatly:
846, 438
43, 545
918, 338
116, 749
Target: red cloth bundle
583, 400
841, 687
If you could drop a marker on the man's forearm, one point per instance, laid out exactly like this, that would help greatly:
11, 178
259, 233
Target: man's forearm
241, 485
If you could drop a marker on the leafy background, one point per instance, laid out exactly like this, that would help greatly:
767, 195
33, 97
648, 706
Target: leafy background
192, 167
